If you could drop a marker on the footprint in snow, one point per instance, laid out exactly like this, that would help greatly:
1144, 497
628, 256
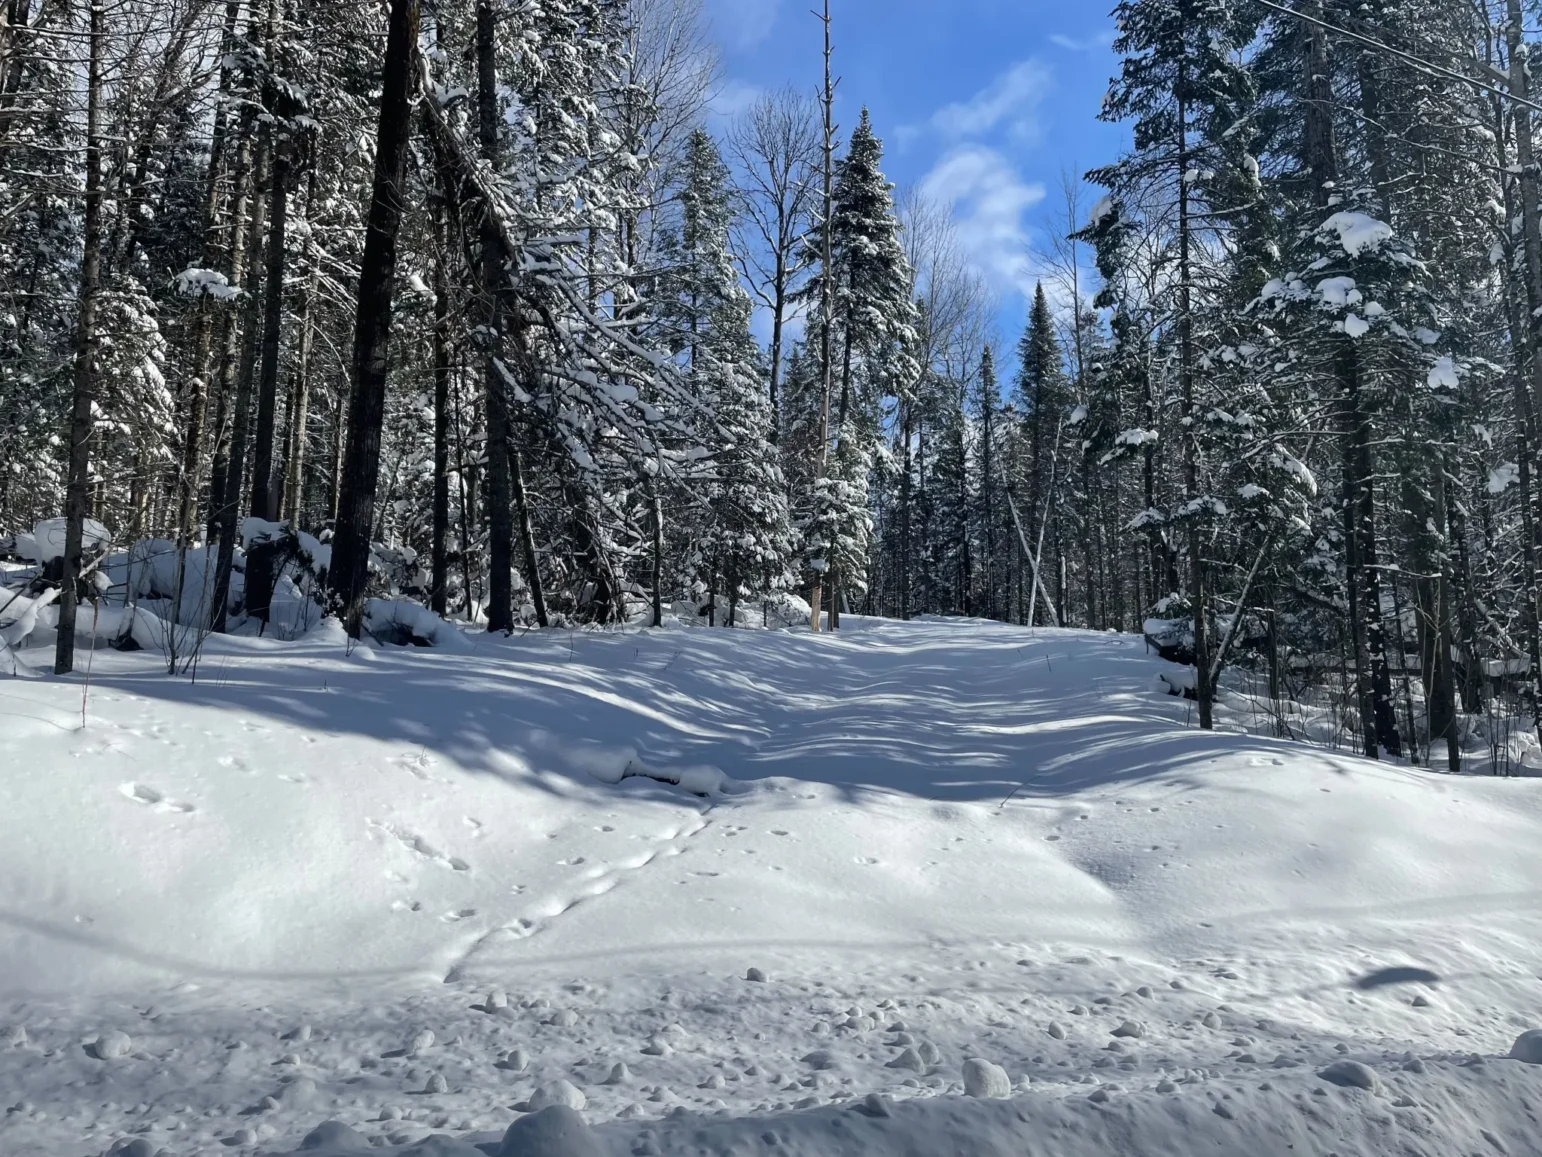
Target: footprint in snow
148, 797
459, 914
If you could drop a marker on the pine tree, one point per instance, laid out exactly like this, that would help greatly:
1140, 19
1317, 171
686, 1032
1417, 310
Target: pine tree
1179, 79
747, 542
871, 325
1041, 396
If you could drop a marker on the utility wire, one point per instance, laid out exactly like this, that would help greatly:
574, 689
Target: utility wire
1407, 57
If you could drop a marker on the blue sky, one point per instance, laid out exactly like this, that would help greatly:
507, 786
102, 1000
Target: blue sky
983, 103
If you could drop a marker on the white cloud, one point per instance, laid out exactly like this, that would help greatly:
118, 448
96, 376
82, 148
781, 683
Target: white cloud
988, 199
1009, 103
1093, 43
733, 98
743, 24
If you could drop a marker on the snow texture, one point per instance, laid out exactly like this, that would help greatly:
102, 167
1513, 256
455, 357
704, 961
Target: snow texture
329, 897
1358, 232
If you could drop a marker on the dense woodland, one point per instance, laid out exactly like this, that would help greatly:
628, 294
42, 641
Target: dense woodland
461, 301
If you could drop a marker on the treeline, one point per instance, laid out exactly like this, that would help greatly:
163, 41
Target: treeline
468, 292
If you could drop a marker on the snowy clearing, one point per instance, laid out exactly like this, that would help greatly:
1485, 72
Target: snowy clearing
741, 892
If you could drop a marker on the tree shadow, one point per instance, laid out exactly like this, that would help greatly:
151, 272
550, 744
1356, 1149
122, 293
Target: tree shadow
943, 711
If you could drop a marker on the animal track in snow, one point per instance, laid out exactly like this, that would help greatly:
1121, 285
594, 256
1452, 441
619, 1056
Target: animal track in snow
598, 880
419, 846
148, 797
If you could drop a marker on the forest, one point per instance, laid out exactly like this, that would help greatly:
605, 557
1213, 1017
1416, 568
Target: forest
475, 304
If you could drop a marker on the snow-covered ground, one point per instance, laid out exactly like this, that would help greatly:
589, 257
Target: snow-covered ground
421, 891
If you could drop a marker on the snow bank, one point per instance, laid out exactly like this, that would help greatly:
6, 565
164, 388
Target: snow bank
403, 622
1442, 1108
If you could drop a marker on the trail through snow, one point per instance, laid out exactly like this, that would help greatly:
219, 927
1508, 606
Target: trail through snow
409, 891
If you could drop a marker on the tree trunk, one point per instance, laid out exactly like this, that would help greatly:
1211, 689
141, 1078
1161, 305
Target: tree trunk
300, 395
907, 499
1186, 358
241, 404
1442, 684
189, 477
527, 538
1352, 422
349, 575
229, 330
826, 295
1527, 391
77, 494
440, 572
264, 494
500, 498
658, 553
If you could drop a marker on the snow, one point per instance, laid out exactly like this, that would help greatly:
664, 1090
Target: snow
1358, 232
46, 542
207, 282
1338, 292
1502, 477
414, 891
1442, 375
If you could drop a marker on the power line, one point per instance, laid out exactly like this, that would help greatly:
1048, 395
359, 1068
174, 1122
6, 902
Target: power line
1407, 57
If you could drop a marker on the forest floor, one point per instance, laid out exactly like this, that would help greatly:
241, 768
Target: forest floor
421, 891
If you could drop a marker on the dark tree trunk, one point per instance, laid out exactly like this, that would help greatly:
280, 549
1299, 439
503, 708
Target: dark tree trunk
658, 553
349, 575
1527, 389
440, 572
907, 500
500, 497
527, 538
264, 493
77, 494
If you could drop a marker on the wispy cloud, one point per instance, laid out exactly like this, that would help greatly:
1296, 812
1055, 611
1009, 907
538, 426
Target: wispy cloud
989, 200
1093, 43
732, 98
1009, 104
743, 24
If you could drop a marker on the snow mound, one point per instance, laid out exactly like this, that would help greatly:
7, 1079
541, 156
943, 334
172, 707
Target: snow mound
556, 1131
48, 538
1528, 1047
402, 623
